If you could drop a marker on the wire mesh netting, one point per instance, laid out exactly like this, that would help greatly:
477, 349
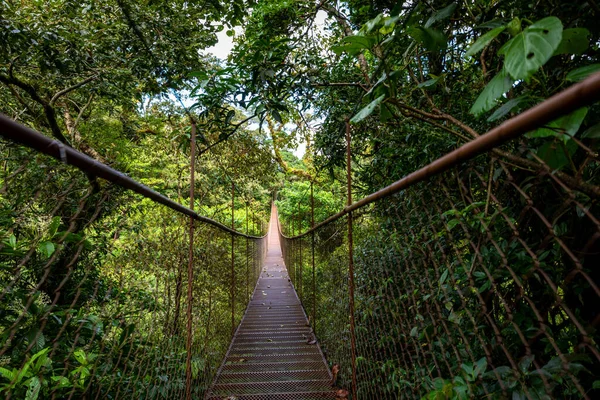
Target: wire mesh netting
94, 288
480, 282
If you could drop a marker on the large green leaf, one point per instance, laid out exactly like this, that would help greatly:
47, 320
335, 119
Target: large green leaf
369, 25
441, 14
556, 153
431, 39
484, 40
532, 48
353, 45
499, 85
580, 74
33, 388
592, 132
46, 248
574, 41
431, 82
506, 108
563, 127
367, 110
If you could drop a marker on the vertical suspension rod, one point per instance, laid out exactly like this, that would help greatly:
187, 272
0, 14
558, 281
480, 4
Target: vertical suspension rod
232, 260
351, 260
188, 343
314, 284
247, 255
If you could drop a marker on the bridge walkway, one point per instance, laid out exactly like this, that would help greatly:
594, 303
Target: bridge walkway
274, 354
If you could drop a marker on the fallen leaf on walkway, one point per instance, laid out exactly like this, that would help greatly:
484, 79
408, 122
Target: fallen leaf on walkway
334, 371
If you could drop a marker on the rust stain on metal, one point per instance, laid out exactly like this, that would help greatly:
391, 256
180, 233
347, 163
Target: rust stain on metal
270, 356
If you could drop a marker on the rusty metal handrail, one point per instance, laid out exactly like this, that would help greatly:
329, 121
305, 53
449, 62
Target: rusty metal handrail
18, 133
563, 103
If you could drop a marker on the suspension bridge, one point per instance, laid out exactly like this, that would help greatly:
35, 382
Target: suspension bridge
473, 277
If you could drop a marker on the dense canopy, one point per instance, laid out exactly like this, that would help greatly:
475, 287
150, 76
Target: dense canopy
123, 81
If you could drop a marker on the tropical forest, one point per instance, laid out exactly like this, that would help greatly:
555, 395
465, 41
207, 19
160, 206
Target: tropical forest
299, 199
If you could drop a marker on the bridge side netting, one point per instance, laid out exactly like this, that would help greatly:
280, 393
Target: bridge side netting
481, 282
94, 283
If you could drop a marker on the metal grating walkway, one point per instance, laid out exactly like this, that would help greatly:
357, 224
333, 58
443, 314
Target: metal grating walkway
270, 356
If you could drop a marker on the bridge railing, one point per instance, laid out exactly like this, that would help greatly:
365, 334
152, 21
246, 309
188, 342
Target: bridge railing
103, 292
474, 277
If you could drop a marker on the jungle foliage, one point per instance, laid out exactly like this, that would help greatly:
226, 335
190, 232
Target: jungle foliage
415, 79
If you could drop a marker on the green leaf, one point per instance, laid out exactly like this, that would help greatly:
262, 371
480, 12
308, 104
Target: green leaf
230, 33
414, 331
12, 241
492, 24
201, 75
230, 116
388, 25
430, 82
353, 45
46, 248
439, 15
581, 73
276, 116
8, 374
80, 356
61, 382
532, 48
53, 227
506, 108
574, 41
452, 223
499, 85
556, 153
592, 132
563, 127
431, 39
514, 26
369, 25
367, 110
525, 363
480, 366
443, 277
33, 389
483, 41
385, 113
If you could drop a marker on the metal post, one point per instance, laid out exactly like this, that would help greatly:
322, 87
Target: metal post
254, 256
188, 344
232, 260
351, 261
294, 250
247, 255
300, 282
314, 281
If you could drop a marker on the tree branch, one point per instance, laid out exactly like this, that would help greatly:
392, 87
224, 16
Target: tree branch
343, 21
352, 84
48, 109
70, 89
580, 185
226, 137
